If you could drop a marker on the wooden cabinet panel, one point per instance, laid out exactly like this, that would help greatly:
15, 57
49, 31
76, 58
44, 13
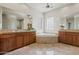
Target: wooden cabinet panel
74, 39
11, 43
19, 41
32, 37
77, 40
26, 39
68, 37
3, 45
62, 37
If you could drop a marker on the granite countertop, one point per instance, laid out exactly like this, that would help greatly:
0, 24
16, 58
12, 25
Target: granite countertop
70, 30
15, 31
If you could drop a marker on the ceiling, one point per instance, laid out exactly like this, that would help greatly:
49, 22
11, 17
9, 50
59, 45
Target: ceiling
24, 9
42, 6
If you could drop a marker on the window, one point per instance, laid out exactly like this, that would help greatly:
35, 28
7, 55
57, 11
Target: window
41, 25
50, 25
37, 24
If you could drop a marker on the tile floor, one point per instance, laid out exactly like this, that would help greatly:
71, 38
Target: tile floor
46, 49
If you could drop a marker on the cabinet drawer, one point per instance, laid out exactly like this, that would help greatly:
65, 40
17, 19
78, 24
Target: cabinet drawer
32, 32
6, 35
19, 34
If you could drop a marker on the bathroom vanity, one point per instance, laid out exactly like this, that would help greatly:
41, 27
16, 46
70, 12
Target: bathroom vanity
69, 37
16, 39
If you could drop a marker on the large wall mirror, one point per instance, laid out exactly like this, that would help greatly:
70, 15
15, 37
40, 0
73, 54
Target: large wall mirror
11, 20
72, 22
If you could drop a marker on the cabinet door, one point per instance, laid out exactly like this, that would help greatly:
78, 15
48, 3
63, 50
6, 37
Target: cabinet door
69, 37
11, 43
77, 40
26, 38
32, 37
19, 41
62, 37
3, 45
74, 38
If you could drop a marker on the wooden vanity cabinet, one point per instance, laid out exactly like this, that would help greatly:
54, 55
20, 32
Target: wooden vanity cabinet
69, 37
11, 41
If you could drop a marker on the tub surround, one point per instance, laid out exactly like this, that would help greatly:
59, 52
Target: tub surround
46, 38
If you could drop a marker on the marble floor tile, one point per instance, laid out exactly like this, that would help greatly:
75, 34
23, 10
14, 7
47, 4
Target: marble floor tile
46, 49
